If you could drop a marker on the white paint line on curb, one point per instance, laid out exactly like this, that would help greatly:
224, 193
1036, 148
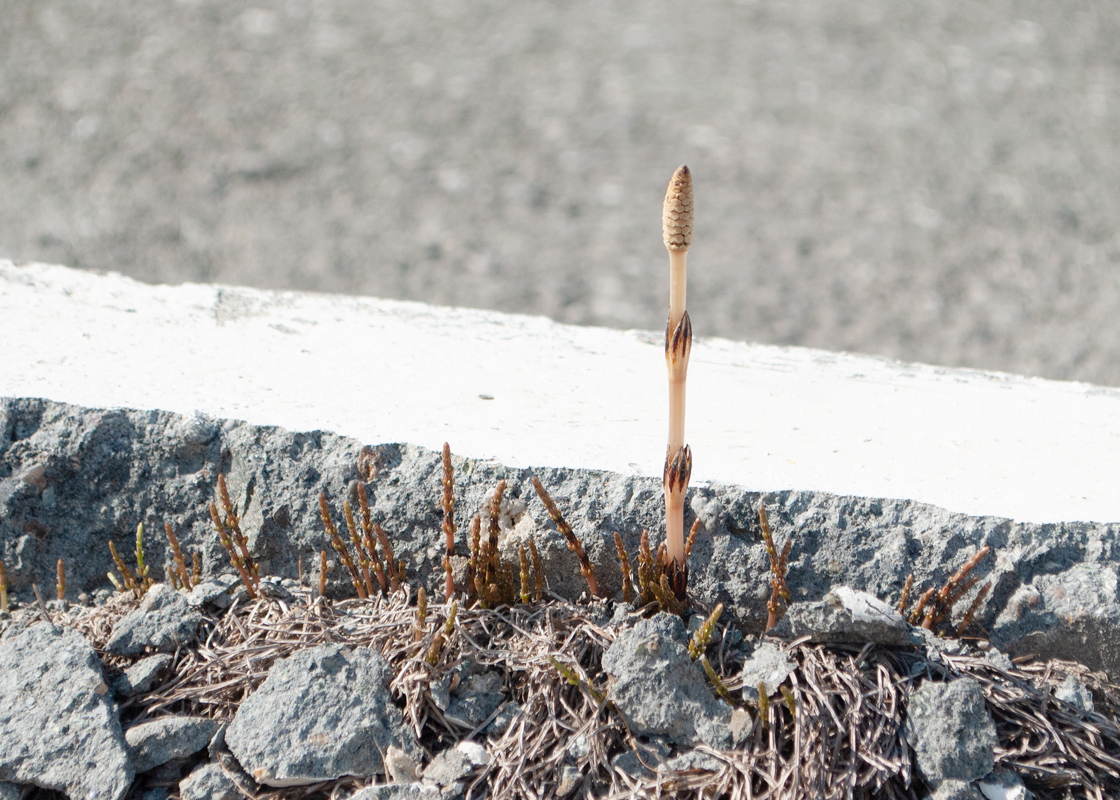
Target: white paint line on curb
527, 391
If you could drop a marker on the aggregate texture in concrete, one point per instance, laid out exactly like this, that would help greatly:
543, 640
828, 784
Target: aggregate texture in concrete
931, 181
72, 478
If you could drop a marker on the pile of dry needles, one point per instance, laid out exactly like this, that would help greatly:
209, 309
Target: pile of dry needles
835, 731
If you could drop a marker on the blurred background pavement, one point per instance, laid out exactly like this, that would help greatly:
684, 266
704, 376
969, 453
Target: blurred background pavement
932, 181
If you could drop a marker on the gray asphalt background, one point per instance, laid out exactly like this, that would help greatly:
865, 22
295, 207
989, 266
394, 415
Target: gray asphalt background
931, 181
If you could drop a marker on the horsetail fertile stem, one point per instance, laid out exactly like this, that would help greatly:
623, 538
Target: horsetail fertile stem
60, 587
676, 228
448, 504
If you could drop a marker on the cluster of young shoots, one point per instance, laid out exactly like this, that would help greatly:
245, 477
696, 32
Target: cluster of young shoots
139, 580
935, 605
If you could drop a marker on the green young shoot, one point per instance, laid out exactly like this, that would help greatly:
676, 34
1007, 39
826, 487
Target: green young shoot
703, 634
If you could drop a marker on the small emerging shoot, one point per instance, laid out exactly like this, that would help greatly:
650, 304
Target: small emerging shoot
763, 705
421, 614
232, 540
524, 574
177, 555
447, 502
340, 546
128, 581
703, 634
538, 571
322, 573
394, 570
779, 566
717, 681
3, 589
904, 600
60, 587
624, 563
791, 701
368, 540
586, 568
142, 576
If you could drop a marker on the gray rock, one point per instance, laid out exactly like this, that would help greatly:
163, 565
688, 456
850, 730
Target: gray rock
999, 659
61, 729
508, 712
163, 621
646, 763
768, 665
161, 740
955, 790
951, 732
208, 782
1003, 784
473, 709
321, 714
158, 793
658, 688
11, 791
846, 615
142, 675
1069, 614
455, 762
398, 791
1075, 693
478, 696
215, 592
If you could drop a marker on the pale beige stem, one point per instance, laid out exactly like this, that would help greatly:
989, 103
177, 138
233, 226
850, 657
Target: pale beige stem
677, 234
676, 360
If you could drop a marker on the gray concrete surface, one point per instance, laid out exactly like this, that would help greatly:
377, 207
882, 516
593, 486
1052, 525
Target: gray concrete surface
929, 181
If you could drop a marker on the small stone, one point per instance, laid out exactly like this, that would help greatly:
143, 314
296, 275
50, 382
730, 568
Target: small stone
768, 665
846, 615
569, 778
61, 729
398, 791
1003, 784
1075, 693
999, 659
478, 697
955, 790
158, 793
163, 622
742, 723
507, 713
951, 731
450, 765
579, 747
215, 592
320, 714
275, 590
167, 738
644, 764
10, 791
142, 675
208, 782
658, 688
400, 765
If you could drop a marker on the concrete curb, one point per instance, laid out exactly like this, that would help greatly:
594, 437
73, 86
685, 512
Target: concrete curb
529, 391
